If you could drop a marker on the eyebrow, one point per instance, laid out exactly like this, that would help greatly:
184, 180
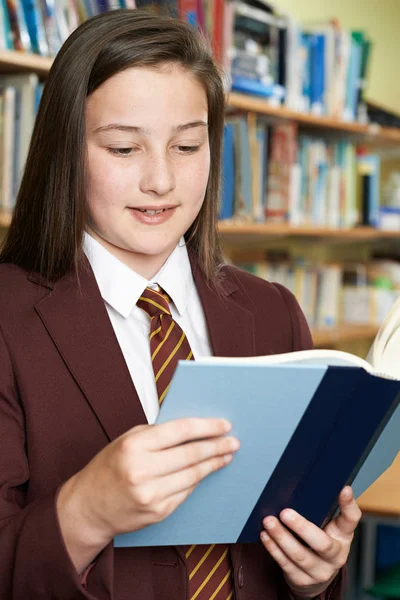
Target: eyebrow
145, 131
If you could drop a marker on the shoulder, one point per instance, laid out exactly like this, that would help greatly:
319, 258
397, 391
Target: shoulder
257, 290
17, 290
276, 312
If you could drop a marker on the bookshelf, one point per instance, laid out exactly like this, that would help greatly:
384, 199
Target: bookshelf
13, 61
5, 219
236, 234
343, 334
21, 62
371, 133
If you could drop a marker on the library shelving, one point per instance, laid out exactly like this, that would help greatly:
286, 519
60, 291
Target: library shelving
12, 61
242, 234
21, 62
343, 333
369, 133
5, 219
238, 233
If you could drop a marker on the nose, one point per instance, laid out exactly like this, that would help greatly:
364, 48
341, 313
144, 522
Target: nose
158, 176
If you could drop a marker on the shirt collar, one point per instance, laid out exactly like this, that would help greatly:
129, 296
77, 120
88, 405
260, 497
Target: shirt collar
121, 287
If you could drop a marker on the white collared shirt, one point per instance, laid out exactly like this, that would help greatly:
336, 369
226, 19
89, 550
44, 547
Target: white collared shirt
120, 288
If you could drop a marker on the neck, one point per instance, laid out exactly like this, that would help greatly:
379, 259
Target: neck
145, 265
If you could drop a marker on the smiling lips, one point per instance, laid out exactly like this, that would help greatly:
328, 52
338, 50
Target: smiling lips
153, 210
153, 215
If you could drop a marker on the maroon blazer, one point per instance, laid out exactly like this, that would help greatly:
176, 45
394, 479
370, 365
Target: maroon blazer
66, 392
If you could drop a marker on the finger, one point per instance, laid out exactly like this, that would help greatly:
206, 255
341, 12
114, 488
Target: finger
192, 453
190, 477
179, 431
175, 500
317, 539
350, 513
293, 572
321, 546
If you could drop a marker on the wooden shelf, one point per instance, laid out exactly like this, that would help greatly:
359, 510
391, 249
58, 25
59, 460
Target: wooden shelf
371, 133
5, 219
242, 233
343, 333
13, 61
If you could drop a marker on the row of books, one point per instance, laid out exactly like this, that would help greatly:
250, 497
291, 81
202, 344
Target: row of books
269, 172
19, 100
274, 173
334, 293
41, 26
318, 68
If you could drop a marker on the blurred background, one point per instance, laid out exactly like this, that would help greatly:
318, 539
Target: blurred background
311, 171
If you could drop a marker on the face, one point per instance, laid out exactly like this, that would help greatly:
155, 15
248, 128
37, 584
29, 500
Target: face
148, 162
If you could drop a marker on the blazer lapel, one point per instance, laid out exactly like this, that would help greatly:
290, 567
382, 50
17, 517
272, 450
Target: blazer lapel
77, 321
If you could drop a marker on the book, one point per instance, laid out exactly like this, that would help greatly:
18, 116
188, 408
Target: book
309, 423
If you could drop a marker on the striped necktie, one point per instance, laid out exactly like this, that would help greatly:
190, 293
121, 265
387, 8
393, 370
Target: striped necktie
209, 566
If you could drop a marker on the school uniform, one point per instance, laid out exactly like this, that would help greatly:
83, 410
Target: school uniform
76, 374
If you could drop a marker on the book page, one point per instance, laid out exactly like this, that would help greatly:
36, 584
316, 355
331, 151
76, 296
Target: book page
303, 357
307, 357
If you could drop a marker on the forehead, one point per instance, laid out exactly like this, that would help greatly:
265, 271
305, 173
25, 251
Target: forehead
143, 96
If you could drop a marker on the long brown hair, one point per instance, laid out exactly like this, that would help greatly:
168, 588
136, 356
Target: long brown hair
51, 211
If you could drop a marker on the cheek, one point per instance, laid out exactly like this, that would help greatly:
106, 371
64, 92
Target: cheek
196, 179
105, 183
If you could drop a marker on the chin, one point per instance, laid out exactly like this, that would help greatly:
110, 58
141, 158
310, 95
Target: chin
153, 249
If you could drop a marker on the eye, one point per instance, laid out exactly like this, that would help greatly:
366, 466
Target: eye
188, 149
122, 152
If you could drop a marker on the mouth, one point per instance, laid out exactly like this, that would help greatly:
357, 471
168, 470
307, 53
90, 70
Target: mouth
152, 215
153, 211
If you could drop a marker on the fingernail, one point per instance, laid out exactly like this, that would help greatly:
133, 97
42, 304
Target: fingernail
227, 425
227, 458
235, 444
288, 515
348, 492
269, 523
264, 536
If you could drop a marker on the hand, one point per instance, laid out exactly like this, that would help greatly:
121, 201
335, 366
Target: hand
139, 479
309, 571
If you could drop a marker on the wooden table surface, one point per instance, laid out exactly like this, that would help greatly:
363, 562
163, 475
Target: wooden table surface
383, 497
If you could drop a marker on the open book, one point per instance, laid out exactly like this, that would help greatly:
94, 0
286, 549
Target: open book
303, 357
309, 423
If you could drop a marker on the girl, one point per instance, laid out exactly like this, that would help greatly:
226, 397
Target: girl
113, 242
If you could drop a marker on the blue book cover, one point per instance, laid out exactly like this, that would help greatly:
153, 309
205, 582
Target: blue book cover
306, 75
317, 42
228, 173
317, 421
34, 22
245, 166
353, 76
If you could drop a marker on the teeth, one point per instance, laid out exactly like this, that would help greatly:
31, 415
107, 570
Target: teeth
153, 212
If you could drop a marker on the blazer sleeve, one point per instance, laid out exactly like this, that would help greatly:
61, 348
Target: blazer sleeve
34, 562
